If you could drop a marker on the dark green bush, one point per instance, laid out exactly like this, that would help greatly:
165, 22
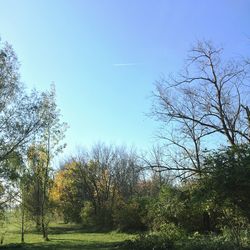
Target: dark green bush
131, 216
206, 242
175, 205
150, 242
160, 241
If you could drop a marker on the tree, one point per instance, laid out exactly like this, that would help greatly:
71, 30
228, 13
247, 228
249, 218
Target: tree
21, 115
89, 185
114, 173
23, 118
207, 101
224, 190
29, 125
47, 146
229, 177
70, 191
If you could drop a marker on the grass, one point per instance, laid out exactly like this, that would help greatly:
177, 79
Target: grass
65, 237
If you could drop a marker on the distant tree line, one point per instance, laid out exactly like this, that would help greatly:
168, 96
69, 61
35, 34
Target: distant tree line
105, 188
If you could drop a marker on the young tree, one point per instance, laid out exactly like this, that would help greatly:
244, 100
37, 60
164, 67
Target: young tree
49, 142
37, 177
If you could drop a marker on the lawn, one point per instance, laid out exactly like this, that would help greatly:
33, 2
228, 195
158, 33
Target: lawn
66, 237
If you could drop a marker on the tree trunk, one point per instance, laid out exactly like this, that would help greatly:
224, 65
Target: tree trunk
206, 222
22, 226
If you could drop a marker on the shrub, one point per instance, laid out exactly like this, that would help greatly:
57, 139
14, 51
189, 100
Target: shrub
131, 216
172, 232
205, 242
150, 242
175, 206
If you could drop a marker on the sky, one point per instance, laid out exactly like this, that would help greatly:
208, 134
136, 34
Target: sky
104, 56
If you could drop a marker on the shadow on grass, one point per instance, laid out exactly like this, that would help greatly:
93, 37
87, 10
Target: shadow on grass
65, 245
69, 229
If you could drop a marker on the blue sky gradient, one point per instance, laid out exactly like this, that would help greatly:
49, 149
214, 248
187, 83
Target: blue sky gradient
104, 56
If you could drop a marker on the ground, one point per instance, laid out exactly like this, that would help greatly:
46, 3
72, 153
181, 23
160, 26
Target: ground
65, 237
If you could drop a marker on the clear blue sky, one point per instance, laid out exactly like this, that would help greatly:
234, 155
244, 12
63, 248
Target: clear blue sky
105, 55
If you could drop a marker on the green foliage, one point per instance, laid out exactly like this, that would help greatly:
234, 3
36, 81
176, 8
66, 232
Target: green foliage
165, 238
229, 177
131, 215
150, 242
204, 242
154, 241
88, 214
172, 232
4, 223
106, 177
224, 190
234, 226
177, 206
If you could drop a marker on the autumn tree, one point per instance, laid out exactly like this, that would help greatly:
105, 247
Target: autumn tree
89, 186
70, 190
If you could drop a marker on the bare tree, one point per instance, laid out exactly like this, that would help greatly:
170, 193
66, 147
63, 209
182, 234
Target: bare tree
206, 103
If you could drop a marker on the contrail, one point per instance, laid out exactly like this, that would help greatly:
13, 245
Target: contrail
125, 64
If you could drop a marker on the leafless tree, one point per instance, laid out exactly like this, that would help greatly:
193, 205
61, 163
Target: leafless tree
206, 104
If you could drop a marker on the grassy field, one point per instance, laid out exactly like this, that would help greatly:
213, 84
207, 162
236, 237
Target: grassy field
65, 237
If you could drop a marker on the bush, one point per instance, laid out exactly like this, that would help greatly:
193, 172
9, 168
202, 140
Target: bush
206, 242
164, 239
131, 216
175, 205
150, 242
174, 239
172, 232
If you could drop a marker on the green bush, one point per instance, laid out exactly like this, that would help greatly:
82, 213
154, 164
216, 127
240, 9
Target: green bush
164, 239
172, 232
131, 216
175, 205
150, 242
160, 241
206, 242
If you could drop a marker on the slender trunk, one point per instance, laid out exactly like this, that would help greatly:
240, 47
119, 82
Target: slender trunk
43, 224
44, 205
22, 225
38, 223
45, 230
